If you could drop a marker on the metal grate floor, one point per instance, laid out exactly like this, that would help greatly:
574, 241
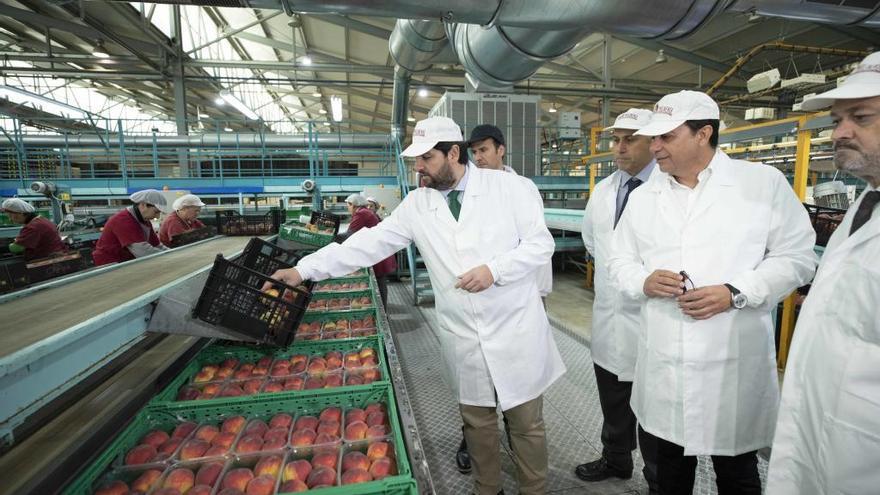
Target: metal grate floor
571, 412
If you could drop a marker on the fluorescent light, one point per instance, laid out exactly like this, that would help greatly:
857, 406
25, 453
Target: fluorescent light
410, 119
322, 111
336, 107
99, 50
552, 110
316, 94
49, 105
239, 105
306, 60
219, 101
326, 124
423, 92
204, 116
227, 129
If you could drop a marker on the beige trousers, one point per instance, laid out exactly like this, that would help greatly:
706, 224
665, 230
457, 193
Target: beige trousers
528, 441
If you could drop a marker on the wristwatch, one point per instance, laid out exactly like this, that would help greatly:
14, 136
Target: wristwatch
737, 299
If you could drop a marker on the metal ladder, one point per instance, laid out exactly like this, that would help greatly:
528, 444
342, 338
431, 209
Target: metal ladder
419, 280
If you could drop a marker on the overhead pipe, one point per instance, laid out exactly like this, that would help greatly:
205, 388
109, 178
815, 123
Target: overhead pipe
323, 141
399, 103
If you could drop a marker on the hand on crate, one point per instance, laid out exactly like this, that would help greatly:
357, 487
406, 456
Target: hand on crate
476, 279
287, 275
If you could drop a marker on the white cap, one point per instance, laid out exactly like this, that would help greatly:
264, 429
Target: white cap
675, 109
632, 119
187, 200
863, 82
431, 131
356, 200
16, 205
151, 196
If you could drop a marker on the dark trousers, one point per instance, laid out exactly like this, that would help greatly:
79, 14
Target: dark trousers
382, 282
619, 426
734, 475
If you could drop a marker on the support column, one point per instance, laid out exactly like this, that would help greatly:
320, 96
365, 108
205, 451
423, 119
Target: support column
180, 92
606, 77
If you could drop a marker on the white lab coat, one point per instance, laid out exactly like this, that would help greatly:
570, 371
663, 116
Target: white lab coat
615, 335
711, 385
828, 434
495, 340
544, 274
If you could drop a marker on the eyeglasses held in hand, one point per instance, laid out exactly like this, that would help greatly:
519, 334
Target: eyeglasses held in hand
688, 283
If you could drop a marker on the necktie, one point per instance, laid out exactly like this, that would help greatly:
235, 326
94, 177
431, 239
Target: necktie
630, 186
454, 204
863, 214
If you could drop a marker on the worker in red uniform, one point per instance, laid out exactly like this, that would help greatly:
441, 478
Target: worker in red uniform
183, 219
129, 234
362, 216
38, 237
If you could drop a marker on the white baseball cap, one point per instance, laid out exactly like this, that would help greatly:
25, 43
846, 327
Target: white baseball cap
16, 205
632, 119
431, 131
187, 200
675, 109
863, 82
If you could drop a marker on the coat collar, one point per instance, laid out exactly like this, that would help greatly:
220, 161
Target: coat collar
476, 186
842, 242
722, 174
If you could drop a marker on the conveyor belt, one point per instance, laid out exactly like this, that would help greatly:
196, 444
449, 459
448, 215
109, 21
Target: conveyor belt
35, 317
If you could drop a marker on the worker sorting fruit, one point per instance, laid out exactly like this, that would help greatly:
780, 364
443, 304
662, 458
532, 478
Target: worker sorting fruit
38, 237
129, 234
184, 218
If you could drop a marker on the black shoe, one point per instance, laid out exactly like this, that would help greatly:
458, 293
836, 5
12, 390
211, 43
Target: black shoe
463, 458
600, 470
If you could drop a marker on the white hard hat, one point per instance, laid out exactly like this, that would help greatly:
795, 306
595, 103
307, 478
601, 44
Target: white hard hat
356, 200
187, 200
632, 119
150, 196
16, 205
429, 132
675, 109
863, 82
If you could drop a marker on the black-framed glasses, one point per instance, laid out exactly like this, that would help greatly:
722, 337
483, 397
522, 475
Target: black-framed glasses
688, 282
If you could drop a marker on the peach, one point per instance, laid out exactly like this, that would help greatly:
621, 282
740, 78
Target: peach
200, 490
247, 367
168, 448
377, 450
181, 479
298, 363
322, 476
155, 438
375, 418
113, 488
146, 480
296, 470
355, 459
293, 486
256, 427
276, 432
357, 430
327, 460
325, 438
309, 422
141, 454
279, 371
281, 421
237, 478
272, 387
216, 451
355, 414
303, 437
353, 379
275, 443
314, 382
261, 485
209, 473
382, 467
207, 433
357, 475
331, 414
352, 360
233, 424
317, 366
229, 363
232, 390
223, 373
370, 375
260, 371
167, 491
264, 361
376, 432
188, 393
252, 386
223, 440
294, 383
334, 360
376, 406
249, 443
203, 376
193, 449
330, 427
333, 381
269, 465
367, 352
230, 491
242, 374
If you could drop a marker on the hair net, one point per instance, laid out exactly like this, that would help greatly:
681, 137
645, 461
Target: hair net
18, 206
371, 199
150, 196
356, 200
187, 200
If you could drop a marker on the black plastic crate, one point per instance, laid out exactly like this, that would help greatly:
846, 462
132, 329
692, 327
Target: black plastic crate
233, 224
232, 298
325, 220
192, 236
13, 273
57, 266
825, 221
265, 257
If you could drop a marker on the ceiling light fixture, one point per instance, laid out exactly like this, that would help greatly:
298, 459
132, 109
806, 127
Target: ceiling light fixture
423, 92
239, 105
316, 94
227, 129
322, 111
661, 57
43, 103
99, 50
336, 107
410, 119
305, 60
552, 109
219, 101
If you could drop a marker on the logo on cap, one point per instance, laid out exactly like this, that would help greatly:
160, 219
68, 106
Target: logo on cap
630, 116
664, 109
867, 68
419, 132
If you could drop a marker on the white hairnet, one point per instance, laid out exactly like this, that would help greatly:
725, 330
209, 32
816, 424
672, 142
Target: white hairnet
356, 200
18, 206
150, 196
371, 199
187, 200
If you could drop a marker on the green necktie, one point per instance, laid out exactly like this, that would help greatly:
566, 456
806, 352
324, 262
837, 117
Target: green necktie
454, 204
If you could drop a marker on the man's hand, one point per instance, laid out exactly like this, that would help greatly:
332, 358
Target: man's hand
289, 276
664, 283
476, 279
705, 302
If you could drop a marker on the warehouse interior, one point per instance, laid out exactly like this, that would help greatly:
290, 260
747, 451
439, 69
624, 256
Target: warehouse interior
273, 112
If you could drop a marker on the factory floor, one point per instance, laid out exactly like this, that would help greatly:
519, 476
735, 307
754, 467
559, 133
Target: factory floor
571, 406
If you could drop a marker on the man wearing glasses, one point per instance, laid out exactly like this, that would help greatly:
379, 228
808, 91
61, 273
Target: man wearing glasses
614, 338
710, 245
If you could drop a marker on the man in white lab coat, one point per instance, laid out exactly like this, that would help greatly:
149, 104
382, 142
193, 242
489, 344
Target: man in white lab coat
710, 245
828, 433
482, 236
614, 338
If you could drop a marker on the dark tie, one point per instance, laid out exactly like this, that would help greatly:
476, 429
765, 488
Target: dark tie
454, 204
863, 214
630, 187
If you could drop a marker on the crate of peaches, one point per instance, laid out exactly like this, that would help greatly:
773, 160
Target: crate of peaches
332, 326
348, 301
338, 285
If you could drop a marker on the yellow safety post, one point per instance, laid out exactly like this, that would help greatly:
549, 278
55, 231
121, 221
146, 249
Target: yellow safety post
801, 172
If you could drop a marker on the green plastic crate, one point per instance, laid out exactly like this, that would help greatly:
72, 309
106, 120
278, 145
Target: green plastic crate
348, 280
323, 317
296, 233
319, 296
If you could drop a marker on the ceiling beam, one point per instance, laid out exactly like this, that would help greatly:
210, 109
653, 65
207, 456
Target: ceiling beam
683, 55
353, 24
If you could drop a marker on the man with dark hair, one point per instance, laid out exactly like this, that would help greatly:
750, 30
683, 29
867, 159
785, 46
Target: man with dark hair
709, 245
482, 236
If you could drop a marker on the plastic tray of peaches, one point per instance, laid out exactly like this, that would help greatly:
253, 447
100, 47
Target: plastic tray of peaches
328, 443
